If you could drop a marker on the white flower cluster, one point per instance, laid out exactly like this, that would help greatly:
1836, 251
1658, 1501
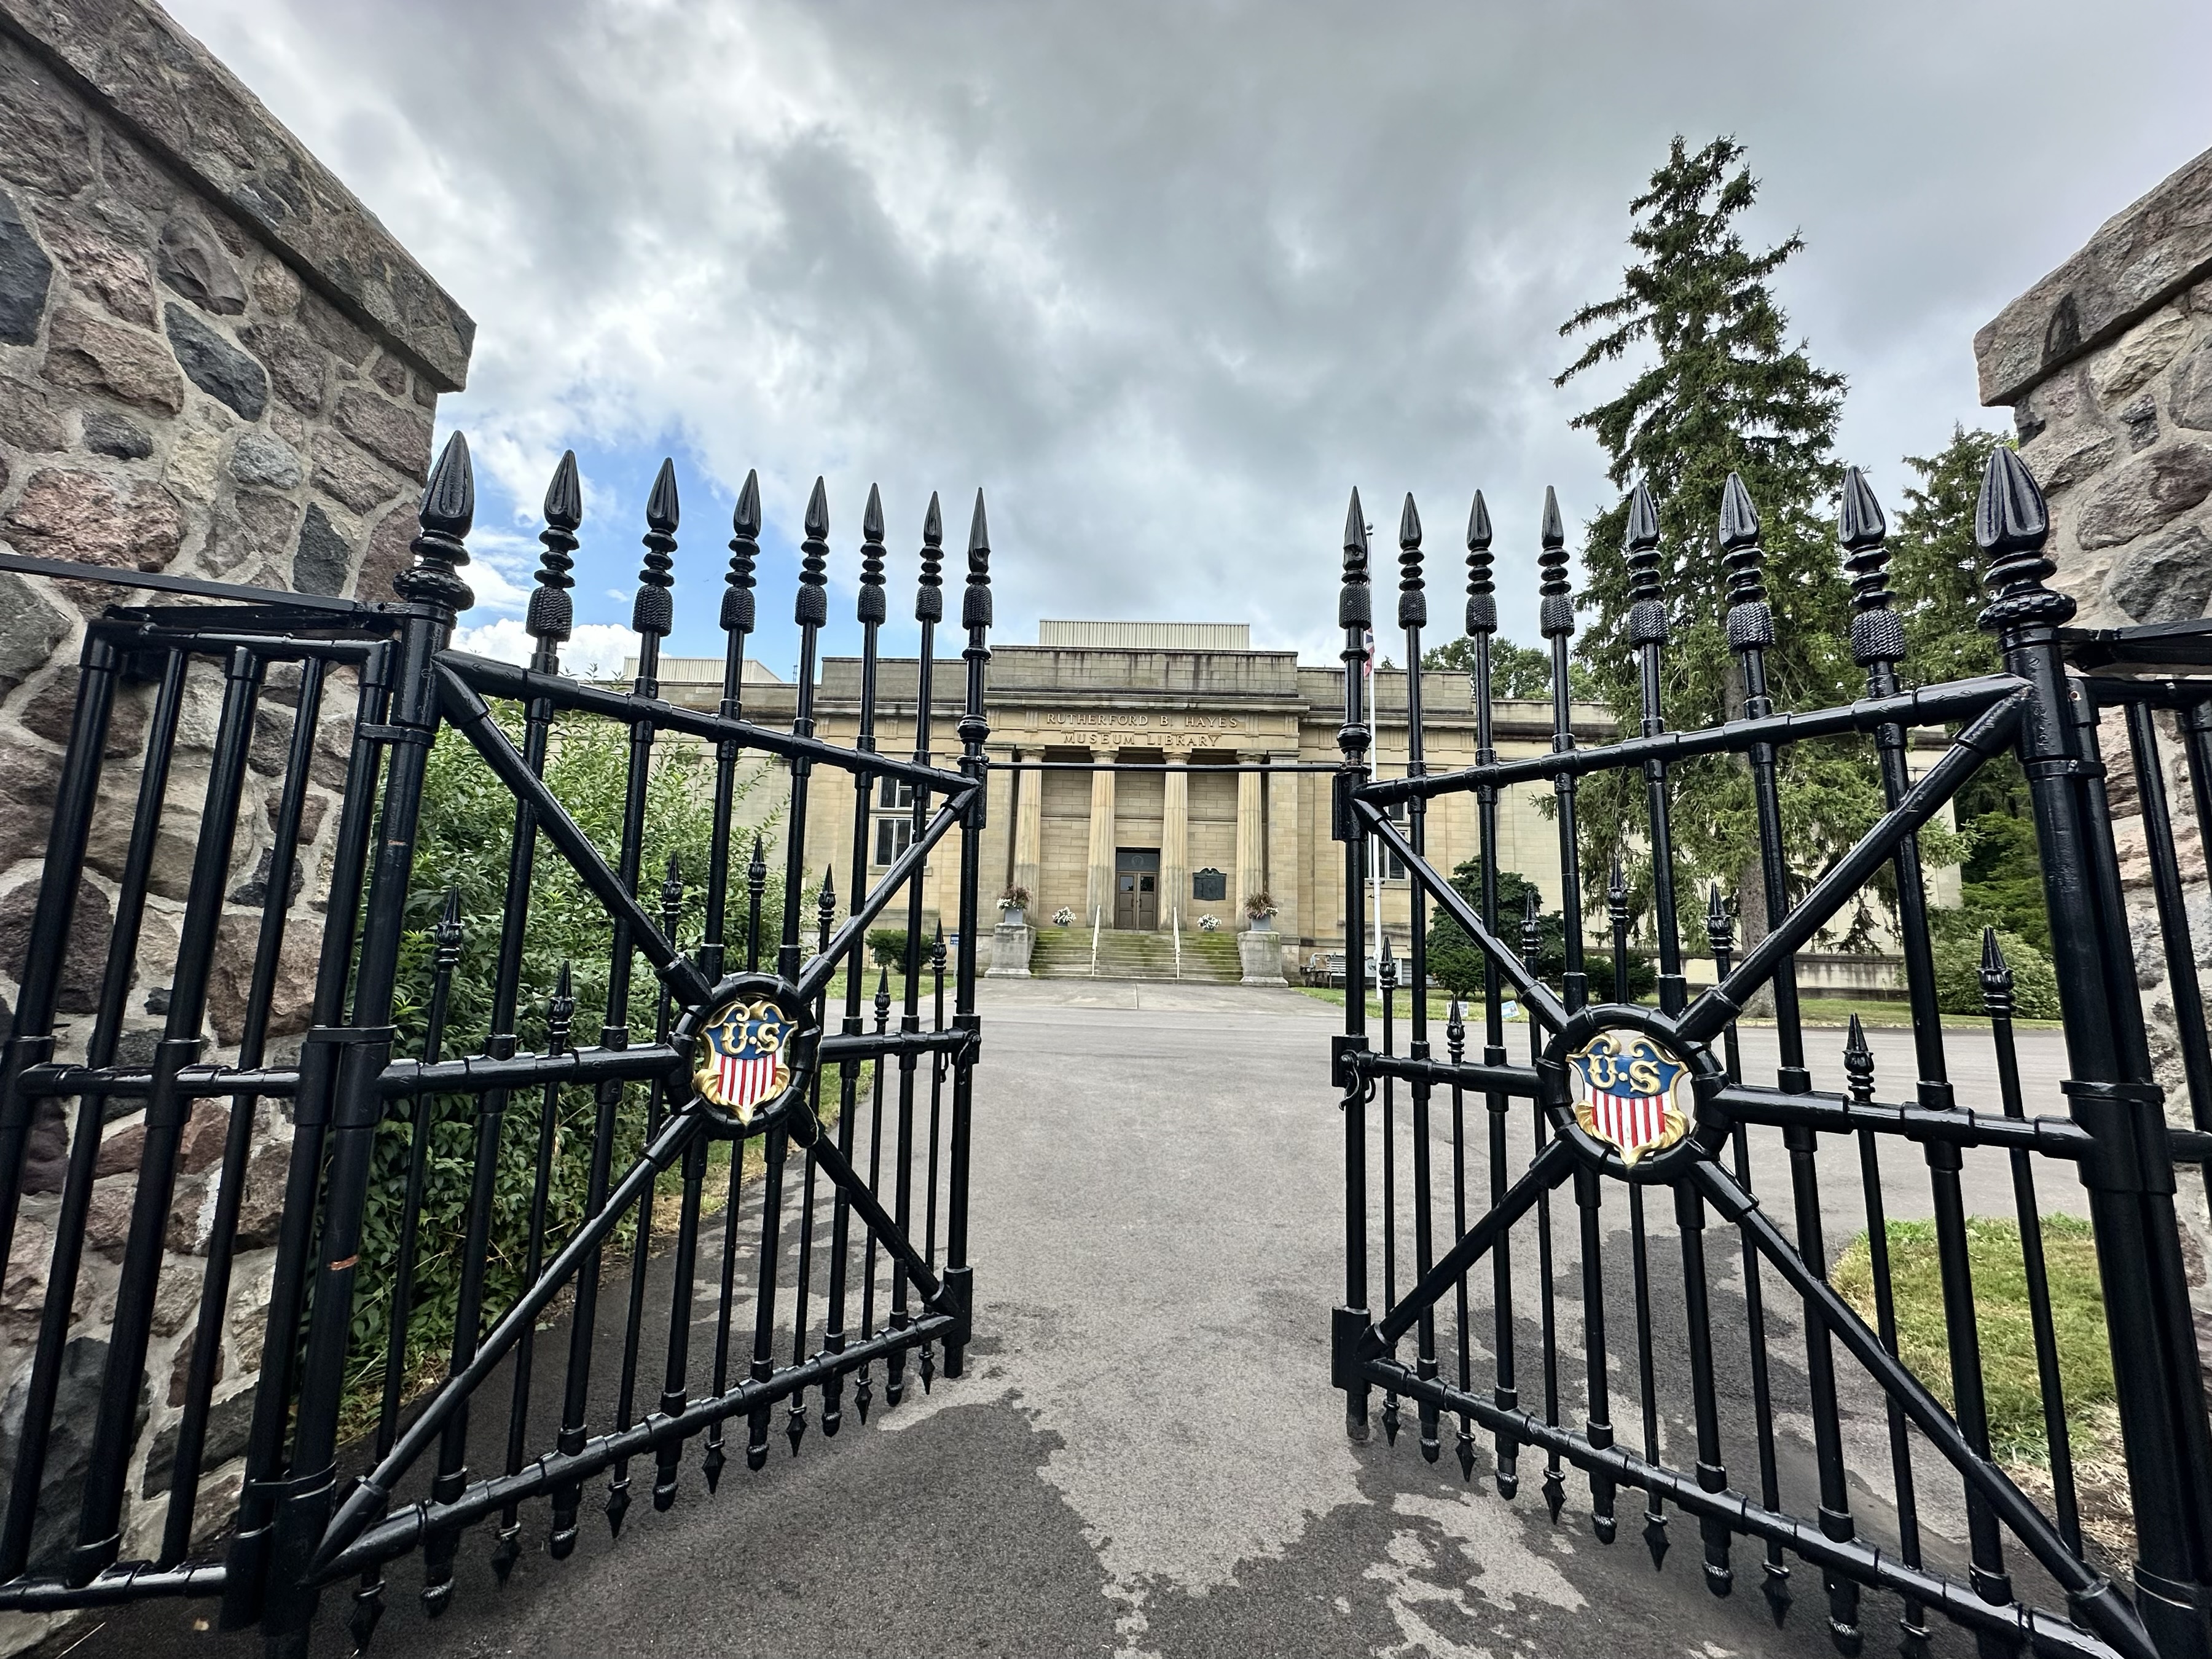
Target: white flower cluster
1209, 924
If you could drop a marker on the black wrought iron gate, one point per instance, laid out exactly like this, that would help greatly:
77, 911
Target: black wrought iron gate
1645, 1101
740, 1061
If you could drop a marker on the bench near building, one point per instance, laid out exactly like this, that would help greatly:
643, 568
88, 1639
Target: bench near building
1144, 856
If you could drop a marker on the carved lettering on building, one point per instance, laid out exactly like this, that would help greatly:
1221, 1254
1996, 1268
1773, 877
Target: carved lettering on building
1122, 727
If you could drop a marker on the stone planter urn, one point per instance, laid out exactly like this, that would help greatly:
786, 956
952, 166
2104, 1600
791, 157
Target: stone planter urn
1014, 916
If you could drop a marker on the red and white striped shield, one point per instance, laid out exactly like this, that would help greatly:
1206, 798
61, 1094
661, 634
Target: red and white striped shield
743, 1061
1625, 1092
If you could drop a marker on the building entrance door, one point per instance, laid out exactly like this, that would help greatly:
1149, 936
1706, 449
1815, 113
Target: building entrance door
1137, 887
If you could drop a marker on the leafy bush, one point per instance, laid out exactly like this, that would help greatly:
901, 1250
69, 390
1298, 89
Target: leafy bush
466, 831
1456, 964
887, 946
1959, 974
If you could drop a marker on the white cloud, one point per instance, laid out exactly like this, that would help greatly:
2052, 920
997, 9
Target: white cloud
595, 651
1170, 279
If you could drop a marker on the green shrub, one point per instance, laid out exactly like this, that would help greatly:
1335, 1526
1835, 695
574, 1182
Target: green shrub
1958, 951
887, 946
466, 831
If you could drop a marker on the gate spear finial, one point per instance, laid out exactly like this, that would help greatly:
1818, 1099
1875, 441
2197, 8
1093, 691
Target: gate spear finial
447, 510
1413, 602
1750, 619
737, 618
871, 607
1877, 632
654, 613
2011, 524
1481, 591
1557, 613
929, 587
551, 616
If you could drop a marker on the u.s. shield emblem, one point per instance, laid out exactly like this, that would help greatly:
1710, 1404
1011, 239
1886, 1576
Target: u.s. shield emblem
743, 1060
1625, 1088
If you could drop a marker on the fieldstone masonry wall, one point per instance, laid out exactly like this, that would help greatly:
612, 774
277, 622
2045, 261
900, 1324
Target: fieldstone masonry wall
2107, 365
213, 362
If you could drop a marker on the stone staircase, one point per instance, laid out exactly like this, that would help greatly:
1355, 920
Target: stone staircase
1065, 953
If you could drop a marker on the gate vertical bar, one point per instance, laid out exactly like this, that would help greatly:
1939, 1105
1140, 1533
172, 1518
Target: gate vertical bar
435, 592
870, 613
549, 621
737, 623
1555, 619
247, 1562
1412, 615
1750, 631
32, 1041
928, 610
959, 1280
1355, 614
1481, 625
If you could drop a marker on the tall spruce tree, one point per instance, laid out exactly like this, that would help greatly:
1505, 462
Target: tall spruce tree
1936, 569
1722, 391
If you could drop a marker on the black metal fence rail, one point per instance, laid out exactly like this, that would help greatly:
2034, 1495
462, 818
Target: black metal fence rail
2024, 1576
883, 1206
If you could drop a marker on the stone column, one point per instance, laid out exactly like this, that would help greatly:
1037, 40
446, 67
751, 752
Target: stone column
1283, 848
1251, 837
1174, 838
1028, 828
1099, 899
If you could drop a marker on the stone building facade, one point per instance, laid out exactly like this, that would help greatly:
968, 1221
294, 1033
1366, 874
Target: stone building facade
214, 362
1190, 700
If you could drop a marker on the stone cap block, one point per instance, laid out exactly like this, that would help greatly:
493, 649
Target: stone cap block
131, 60
2138, 260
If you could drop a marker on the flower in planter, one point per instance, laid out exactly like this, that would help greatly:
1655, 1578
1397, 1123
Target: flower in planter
1209, 924
1014, 898
1063, 917
1259, 906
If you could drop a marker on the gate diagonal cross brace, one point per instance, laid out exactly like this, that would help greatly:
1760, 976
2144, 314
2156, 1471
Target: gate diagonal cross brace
1985, 736
2090, 1593
1545, 1171
1540, 1003
473, 715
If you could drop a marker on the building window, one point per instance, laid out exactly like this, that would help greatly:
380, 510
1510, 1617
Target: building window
893, 838
1385, 857
1209, 884
892, 795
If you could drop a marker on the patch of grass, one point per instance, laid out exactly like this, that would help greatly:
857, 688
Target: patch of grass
2009, 1378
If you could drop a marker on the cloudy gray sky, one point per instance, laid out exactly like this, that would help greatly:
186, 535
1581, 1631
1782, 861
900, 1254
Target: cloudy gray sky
1168, 279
